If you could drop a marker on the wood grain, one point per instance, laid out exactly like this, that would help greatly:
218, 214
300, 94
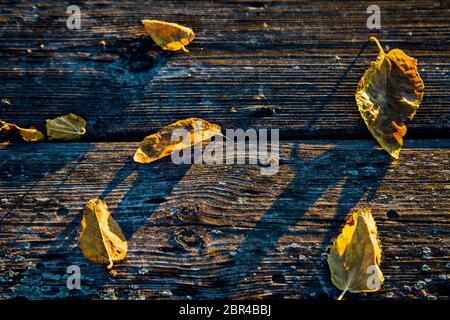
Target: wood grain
219, 231
223, 231
302, 58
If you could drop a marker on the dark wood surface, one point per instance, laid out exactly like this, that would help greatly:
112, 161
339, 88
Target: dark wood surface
220, 231
304, 58
223, 230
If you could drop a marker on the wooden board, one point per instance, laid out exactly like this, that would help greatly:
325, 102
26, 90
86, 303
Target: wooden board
223, 231
303, 58
220, 231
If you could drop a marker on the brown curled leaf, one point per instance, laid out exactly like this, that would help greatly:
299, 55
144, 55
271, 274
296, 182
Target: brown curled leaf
388, 94
169, 36
167, 140
12, 132
102, 240
355, 256
67, 128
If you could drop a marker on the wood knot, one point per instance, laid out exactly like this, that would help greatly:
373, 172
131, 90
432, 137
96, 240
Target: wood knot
140, 56
265, 111
187, 239
189, 212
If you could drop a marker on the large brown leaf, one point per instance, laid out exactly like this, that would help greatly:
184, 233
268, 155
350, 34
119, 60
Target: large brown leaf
355, 256
102, 240
389, 94
161, 144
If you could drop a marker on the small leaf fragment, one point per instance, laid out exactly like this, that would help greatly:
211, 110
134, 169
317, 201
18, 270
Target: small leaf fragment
162, 144
355, 256
68, 128
9, 131
31, 135
388, 94
169, 36
102, 240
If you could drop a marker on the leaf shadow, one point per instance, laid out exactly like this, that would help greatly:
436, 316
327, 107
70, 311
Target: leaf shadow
133, 210
312, 180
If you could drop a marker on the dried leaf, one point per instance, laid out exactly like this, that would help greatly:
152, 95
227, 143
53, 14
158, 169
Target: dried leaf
31, 135
160, 144
355, 256
388, 94
67, 128
169, 36
102, 240
9, 131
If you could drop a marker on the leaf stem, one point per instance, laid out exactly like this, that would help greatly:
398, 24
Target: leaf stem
377, 43
342, 295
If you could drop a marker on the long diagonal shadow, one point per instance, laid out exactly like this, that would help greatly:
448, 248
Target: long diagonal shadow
131, 214
316, 177
334, 90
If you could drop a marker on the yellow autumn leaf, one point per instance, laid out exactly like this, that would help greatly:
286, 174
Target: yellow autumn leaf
169, 36
166, 141
388, 94
67, 128
31, 134
9, 131
102, 240
355, 256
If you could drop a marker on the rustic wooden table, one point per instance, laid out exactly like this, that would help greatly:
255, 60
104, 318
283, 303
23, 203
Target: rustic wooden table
219, 231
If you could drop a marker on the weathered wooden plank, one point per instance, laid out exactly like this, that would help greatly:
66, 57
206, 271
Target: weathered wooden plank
221, 231
303, 58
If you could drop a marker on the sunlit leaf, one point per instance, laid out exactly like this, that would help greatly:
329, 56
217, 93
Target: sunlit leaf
11, 132
102, 240
67, 128
169, 36
162, 143
389, 94
355, 256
